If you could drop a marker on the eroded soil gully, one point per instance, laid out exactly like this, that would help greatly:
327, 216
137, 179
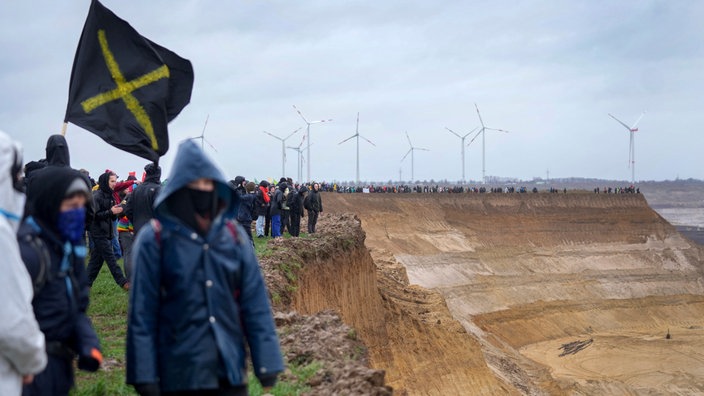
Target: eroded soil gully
523, 274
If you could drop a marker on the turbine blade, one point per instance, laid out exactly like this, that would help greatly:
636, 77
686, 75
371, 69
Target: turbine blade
404, 157
300, 114
635, 124
630, 151
370, 142
211, 146
357, 130
620, 122
497, 130
319, 121
292, 133
274, 136
409, 140
475, 137
421, 148
454, 133
479, 114
470, 132
205, 125
351, 137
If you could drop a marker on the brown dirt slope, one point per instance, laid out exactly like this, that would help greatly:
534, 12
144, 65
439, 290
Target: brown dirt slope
408, 330
527, 273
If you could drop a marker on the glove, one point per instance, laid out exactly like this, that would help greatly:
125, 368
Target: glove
147, 389
90, 362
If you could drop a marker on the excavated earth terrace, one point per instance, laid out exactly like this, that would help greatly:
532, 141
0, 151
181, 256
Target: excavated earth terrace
512, 293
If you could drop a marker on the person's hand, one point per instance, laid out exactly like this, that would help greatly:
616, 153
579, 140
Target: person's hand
27, 379
117, 209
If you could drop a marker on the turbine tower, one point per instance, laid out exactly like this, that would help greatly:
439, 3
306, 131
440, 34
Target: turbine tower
357, 135
631, 150
462, 147
283, 149
299, 163
410, 151
483, 129
202, 136
308, 124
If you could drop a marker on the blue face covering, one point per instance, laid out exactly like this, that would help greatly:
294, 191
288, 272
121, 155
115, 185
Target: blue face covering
72, 224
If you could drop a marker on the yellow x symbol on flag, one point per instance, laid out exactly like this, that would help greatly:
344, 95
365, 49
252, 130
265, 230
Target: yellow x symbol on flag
124, 90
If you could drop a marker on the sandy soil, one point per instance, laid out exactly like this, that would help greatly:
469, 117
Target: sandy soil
527, 273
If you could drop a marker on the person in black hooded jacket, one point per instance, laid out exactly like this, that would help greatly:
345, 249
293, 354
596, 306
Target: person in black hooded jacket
52, 246
103, 230
297, 212
140, 204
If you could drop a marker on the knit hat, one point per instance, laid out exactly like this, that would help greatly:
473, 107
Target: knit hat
238, 181
264, 183
283, 180
250, 187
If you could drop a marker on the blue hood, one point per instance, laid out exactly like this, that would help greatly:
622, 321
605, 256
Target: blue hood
191, 164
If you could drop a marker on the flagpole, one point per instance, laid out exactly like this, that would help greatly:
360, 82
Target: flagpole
63, 129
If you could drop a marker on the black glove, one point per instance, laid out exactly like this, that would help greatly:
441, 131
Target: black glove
147, 389
90, 362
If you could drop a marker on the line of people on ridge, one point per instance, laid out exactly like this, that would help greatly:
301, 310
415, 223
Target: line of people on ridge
277, 208
197, 294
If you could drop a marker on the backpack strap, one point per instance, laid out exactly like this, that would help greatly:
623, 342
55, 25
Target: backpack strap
42, 253
232, 227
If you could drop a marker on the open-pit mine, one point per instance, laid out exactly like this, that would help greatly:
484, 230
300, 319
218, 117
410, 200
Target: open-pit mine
531, 294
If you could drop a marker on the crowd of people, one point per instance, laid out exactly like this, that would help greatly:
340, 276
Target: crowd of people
198, 305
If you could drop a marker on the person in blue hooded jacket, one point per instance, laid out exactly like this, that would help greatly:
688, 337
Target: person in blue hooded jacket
198, 294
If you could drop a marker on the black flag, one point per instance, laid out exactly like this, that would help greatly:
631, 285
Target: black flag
125, 88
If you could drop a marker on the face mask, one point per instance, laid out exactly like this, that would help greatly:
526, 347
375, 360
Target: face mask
71, 224
202, 201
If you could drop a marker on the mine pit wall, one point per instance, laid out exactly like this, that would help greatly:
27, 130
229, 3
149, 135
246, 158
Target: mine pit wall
408, 330
519, 269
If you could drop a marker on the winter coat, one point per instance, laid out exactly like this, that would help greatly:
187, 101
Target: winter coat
196, 300
246, 209
140, 204
22, 348
103, 202
314, 201
277, 201
297, 201
262, 201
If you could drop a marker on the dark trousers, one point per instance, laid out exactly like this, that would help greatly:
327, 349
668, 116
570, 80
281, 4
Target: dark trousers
312, 220
295, 226
227, 390
285, 224
126, 240
267, 224
248, 228
56, 379
102, 252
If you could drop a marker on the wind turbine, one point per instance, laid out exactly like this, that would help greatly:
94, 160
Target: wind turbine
299, 164
308, 124
357, 135
631, 150
410, 151
483, 129
202, 136
462, 147
283, 149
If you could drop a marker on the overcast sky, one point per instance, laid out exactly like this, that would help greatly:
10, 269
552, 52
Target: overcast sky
547, 71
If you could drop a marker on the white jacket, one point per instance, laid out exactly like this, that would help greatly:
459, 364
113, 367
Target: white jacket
22, 349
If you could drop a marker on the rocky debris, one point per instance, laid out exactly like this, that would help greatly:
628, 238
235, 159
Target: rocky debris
575, 346
325, 339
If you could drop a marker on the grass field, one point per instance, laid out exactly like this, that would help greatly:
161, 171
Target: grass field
108, 311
